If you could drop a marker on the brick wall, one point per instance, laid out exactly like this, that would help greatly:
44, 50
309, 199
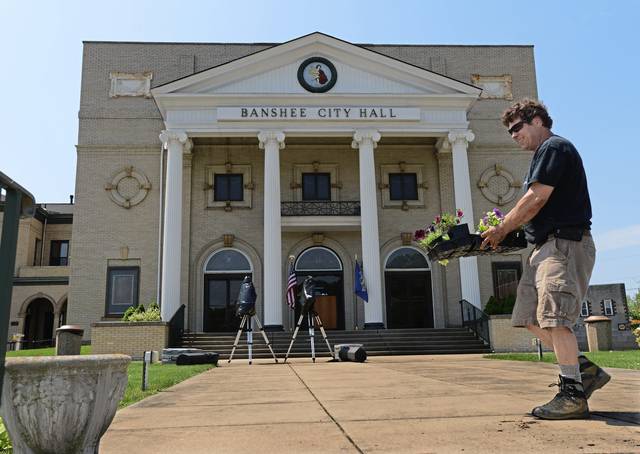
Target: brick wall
128, 338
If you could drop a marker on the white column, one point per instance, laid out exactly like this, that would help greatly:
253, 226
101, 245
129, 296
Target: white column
272, 142
366, 141
176, 143
469, 280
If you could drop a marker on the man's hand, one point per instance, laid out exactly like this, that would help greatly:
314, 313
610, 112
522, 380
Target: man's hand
493, 236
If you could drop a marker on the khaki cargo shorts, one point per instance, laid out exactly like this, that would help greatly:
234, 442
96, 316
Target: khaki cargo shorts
554, 282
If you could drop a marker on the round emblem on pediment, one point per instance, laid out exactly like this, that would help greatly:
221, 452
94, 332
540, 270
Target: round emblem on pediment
317, 75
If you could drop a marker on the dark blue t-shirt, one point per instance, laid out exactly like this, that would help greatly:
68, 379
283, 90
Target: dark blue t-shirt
557, 163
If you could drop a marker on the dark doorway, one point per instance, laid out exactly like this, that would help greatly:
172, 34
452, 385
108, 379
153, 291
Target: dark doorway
38, 324
329, 298
409, 300
220, 297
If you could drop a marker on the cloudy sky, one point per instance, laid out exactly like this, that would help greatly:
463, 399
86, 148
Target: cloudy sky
585, 51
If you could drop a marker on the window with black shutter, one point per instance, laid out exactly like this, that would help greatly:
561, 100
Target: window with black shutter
316, 186
228, 187
403, 186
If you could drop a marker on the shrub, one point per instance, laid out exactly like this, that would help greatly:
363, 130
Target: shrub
5, 441
497, 306
139, 314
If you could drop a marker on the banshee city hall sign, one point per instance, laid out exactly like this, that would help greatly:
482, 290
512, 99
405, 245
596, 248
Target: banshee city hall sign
318, 113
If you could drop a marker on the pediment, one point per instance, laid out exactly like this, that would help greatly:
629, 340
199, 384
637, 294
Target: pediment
275, 71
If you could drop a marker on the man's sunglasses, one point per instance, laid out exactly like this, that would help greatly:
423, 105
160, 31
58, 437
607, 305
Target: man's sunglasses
517, 127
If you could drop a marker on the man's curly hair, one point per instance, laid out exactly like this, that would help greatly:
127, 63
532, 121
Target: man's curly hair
527, 109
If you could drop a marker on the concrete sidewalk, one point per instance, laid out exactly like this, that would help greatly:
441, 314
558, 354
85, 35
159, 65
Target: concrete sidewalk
401, 404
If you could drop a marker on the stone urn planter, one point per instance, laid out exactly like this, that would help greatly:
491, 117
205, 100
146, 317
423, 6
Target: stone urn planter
61, 404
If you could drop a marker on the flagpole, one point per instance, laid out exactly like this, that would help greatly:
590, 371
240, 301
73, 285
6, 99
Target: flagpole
355, 312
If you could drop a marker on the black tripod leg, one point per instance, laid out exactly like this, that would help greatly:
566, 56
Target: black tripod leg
312, 337
266, 339
235, 344
293, 339
249, 338
324, 335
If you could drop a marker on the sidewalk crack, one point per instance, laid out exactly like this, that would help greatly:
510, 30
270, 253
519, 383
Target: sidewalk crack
344, 432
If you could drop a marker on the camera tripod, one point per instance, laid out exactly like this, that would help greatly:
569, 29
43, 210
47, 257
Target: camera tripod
312, 317
246, 320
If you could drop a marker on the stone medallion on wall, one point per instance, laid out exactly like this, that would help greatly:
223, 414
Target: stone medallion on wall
128, 187
498, 185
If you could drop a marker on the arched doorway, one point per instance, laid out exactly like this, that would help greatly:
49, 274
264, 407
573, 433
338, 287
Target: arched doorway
38, 324
325, 267
408, 294
62, 315
223, 275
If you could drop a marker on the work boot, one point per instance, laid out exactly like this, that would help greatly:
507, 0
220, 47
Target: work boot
592, 376
569, 403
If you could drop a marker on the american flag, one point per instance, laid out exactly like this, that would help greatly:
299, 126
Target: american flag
291, 287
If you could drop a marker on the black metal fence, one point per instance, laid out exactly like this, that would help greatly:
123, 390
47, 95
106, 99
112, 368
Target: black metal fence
320, 208
476, 320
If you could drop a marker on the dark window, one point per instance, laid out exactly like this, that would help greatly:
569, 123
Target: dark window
506, 276
403, 186
37, 253
122, 288
316, 186
585, 309
59, 255
228, 187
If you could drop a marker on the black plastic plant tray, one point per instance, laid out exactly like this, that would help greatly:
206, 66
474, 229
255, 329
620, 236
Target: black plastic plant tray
470, 246
514, 241
451, 249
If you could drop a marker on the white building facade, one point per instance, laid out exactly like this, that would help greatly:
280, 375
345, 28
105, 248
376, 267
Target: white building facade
201, 164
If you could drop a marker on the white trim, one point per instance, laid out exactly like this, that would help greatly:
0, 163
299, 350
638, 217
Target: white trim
295, 265
217, 251
418, 250
322, 45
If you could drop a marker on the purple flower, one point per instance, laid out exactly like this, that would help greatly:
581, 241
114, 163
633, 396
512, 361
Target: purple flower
459, 213
498, 213
419, 235
432, 228
485, 220
438, 219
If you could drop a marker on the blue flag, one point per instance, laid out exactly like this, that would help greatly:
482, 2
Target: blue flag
360, 288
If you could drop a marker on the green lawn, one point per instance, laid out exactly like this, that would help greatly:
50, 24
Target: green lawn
51, 351
625, 359
160, 376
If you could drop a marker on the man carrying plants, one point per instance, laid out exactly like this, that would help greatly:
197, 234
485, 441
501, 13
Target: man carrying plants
556, 213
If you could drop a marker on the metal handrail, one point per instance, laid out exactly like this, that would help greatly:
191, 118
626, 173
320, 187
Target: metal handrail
320, 208
476, 320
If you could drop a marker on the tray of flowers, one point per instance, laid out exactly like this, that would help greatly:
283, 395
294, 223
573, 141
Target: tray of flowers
446, 238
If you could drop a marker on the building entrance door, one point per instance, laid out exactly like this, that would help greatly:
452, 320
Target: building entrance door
408, 295
38, 324
220, 297
325, 267
329, 299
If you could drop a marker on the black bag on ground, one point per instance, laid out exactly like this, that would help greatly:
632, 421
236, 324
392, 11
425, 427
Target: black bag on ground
187, 359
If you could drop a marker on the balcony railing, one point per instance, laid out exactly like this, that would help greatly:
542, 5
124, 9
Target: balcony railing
320, 208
